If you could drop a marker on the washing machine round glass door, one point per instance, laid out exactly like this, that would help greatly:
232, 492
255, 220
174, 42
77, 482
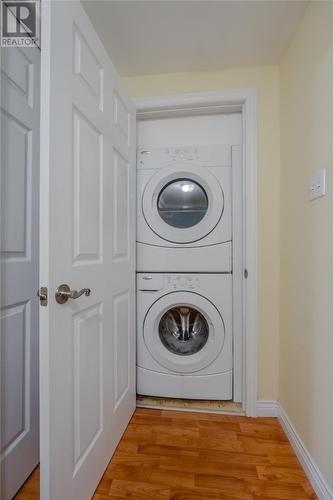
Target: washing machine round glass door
182, 204
184, 332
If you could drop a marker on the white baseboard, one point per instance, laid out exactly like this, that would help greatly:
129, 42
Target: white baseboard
267, 408
319, 483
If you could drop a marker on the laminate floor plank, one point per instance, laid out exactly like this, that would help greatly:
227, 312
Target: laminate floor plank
173, 455
30, 489
139, 490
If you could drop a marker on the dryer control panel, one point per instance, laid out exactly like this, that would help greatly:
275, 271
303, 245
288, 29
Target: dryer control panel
166, 155
205, 156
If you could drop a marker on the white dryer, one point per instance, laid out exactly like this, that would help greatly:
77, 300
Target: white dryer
184, 338
184, 202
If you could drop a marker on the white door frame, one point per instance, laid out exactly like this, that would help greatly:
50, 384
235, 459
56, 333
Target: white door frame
244, 100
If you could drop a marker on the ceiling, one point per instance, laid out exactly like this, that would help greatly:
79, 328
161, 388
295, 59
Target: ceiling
167, 36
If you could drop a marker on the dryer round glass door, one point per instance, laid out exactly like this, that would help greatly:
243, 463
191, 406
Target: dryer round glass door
183, 206
182, 203
184, 332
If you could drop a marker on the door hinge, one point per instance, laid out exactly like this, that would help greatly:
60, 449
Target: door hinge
246, 273
42, 294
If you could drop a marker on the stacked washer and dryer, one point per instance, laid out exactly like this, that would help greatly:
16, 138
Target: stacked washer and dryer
184, 272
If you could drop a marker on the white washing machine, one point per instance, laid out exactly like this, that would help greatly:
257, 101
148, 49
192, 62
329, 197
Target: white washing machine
184, 341
184, 202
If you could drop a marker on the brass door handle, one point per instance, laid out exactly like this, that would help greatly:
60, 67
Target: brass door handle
63, 293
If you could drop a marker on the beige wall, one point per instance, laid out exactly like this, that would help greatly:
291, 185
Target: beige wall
306, 341
266, 81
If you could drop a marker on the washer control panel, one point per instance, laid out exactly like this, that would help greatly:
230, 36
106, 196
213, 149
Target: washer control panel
157, 281
183, 281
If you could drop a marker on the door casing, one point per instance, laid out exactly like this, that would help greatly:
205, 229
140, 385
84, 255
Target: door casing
246, 276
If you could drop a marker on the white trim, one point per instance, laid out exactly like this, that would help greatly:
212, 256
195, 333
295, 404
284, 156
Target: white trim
319, 483
184, 102
247, 100
238, 237
267, 408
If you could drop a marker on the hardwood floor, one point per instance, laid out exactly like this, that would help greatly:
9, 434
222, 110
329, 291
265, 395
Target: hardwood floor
30, 489
168, 455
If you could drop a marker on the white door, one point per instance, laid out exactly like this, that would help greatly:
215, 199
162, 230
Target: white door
87, 345
19, 266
